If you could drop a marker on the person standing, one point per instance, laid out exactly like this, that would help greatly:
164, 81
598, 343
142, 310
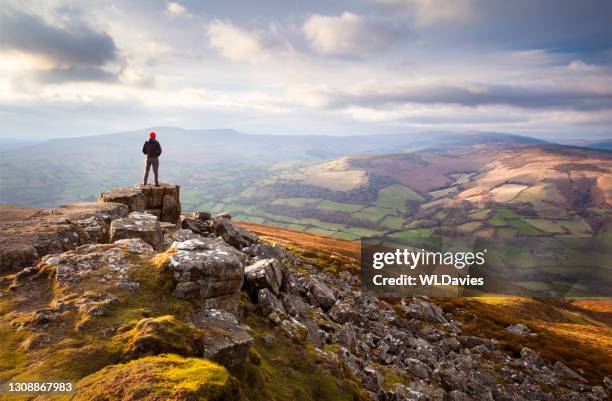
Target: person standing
152, 149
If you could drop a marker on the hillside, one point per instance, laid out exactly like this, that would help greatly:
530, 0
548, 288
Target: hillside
77, 169
134, 308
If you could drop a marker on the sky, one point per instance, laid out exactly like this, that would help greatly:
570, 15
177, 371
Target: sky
530, 67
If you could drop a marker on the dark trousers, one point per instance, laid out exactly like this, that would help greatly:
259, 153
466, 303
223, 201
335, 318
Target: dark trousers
151, 161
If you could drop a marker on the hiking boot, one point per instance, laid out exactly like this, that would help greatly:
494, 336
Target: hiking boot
157, 184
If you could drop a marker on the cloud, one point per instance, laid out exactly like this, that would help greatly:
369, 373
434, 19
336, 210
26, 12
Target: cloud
240, 44
75, 51
529, 96
348, 34
175, 9
434, 12
233, 42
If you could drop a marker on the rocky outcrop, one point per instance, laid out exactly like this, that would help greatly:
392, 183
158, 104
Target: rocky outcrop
163, 201
24, 243
207, 271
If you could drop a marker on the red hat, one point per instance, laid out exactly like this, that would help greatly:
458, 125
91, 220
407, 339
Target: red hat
151, 134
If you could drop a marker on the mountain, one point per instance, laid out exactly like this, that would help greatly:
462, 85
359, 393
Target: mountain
71, 169
604, 145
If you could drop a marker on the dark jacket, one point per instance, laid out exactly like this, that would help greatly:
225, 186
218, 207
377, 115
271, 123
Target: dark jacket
151, 148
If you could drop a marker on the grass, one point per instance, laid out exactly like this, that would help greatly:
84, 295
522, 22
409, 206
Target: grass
479, 214
297, 202
337, 206
546, 225
572, 338
168, 377
469, 227
373, 214
523, 228
289, 371
320, 231
392, 222
396, 196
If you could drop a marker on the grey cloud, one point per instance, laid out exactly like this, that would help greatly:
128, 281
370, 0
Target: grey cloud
75, 73
76, 45
475, 95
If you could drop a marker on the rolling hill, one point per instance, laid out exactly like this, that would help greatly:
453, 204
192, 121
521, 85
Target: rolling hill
76, 169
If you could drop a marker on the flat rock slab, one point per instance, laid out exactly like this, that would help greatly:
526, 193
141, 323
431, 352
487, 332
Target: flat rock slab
24, 243
138, 225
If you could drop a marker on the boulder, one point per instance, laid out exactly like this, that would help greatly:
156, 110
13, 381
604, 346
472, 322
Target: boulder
134, 198
567, 373
223, 215
531, 357
264, 273
518, 329
343, 311
224, 340
138, 225
232, 234
347, 336
202, 216
417, 368
195, 225
322, 295
207, 271
268, 303
423, 310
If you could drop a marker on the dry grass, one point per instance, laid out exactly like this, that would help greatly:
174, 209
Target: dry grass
565, 332
316, 243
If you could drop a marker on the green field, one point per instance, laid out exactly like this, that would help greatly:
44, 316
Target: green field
396, 196
337, 206
297, 202
393, 223
373, 214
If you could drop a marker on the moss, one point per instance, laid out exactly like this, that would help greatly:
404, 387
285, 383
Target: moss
12, 358
290, 371
169, 377
164, 334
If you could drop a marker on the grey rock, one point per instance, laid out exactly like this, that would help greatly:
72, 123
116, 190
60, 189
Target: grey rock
202, 216
343, 311
294, 305
518, 329
207, 271
531, 357
196, 225
347, 336
268, 303
417, 368
457, 395
567, 373
321, 295
423, 310
264, 273
232, 234
138, 225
